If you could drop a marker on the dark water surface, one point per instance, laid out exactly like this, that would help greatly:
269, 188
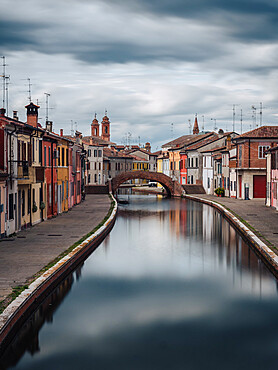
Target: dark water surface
172, 287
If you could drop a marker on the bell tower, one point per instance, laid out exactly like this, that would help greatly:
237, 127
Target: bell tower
105, 125
95, 127
196, 126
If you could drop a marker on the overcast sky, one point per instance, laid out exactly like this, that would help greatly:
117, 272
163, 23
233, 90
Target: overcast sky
152, 64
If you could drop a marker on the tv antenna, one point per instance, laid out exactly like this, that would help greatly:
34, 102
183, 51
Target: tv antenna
241, 120
71, 128
261, 114
7, 79
215, 127
172, 130
47, 95
254, 116
3, 80
203, 124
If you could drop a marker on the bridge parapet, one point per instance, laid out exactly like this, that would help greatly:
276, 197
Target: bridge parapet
173, 188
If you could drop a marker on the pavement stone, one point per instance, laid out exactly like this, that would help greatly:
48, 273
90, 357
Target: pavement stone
32, 249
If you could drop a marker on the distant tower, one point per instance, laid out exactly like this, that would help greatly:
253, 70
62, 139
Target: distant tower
32, 114
148, 147
196, 127
95, 127
105, 135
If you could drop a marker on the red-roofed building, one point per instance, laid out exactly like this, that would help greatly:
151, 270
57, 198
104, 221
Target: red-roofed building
251, 161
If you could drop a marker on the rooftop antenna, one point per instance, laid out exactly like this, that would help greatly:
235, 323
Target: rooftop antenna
75, 125
203, 124
172, 130
71, 128
189, 125
29, 89
139, 141
215, 127
4, 81
7, 78
241, 120
261, 114
254, 116
47, 95
234, 116
105, 112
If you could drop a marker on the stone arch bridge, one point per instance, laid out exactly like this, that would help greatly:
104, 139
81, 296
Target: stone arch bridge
173, 188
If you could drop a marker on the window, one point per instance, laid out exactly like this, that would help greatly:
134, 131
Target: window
262, 150
99, 153
208, 182
67, 157
49, 156
89, 179
63, 185
45, 156
95, 178
89, 152
59, 156
99, 166
95, 153
11, 206
63, 157
196, 161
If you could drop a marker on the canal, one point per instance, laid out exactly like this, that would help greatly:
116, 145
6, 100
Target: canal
172, 287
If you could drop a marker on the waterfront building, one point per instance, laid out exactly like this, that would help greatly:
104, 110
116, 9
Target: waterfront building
62, 187
272, 177
251, 161
49, 161
115, 162
95, 174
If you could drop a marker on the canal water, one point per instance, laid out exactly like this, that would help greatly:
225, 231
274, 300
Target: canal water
172, 287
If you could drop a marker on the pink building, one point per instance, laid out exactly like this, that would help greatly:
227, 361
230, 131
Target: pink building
272, 177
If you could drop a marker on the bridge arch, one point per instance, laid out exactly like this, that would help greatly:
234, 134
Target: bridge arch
173, 188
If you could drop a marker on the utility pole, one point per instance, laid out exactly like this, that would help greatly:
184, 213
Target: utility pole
241, 121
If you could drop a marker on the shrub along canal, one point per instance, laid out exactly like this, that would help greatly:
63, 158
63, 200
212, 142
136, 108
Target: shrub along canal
173, 286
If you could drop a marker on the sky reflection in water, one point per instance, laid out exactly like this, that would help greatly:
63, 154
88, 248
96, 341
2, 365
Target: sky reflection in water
172, 287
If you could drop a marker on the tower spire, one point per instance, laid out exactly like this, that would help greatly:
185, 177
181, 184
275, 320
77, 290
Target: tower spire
196, 126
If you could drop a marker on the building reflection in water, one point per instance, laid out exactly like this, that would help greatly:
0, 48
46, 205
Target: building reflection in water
27, 338
220, 243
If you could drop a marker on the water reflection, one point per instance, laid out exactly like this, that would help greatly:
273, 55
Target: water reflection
173, 287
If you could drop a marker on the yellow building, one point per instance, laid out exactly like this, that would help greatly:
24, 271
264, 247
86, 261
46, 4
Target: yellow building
31, 182
62, 186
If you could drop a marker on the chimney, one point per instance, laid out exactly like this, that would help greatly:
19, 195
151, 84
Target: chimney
32, 114
2, 112
61, 132
15, 117
49, 126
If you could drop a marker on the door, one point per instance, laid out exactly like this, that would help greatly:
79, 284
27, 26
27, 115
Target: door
19, 210
259, 186
240, 185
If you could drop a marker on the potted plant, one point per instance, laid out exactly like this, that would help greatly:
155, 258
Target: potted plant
42, 206
219, 192
34, 208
